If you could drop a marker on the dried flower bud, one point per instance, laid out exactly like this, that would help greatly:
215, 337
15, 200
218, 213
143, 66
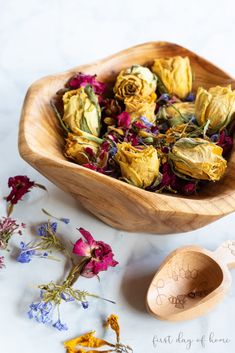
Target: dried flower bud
217, 105
179, 113
135, 81
198, 158
81, 147
175, 74
111, 107
82, 111
139, 165
138, 106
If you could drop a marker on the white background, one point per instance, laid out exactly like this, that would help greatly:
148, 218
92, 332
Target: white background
44, 37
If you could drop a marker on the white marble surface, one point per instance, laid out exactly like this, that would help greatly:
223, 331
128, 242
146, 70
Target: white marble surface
43, 37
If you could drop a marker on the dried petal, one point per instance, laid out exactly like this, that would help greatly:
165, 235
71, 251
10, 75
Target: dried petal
124, 120
82, 80
138, 106
87, 340
112, 321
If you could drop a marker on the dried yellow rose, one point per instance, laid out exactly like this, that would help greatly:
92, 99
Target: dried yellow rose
135, 81
76, 145
139, 165
82, 110
217, 105
175, 74
198, 158
138, 106
179, 113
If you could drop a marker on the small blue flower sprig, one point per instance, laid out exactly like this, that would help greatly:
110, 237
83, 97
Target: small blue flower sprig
47, 242
42, 247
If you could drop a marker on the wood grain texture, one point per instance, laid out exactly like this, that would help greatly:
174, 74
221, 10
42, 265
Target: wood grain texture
190, 282
116, 203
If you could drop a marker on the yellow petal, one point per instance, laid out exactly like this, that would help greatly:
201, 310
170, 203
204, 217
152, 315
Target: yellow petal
119, 131
87, 340
138, 106
112, 321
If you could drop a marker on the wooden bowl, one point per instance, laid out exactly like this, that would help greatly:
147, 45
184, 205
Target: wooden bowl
117, 203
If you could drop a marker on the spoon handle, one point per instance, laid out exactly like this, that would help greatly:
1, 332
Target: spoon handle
226, 253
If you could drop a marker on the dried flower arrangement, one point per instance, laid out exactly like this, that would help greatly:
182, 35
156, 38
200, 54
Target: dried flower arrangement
149, 129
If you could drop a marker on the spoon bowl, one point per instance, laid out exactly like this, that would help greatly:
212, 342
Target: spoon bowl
190, 282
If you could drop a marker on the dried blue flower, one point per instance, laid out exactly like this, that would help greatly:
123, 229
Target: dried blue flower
85, 305
163, 98
190, 97
193, 120
45, 228
25, 257
26, 254
65, 220
61, 327
146, 122
41, 312
28, 251
113, 151
66, 297
214, 137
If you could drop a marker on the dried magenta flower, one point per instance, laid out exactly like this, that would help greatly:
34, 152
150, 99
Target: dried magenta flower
81, 80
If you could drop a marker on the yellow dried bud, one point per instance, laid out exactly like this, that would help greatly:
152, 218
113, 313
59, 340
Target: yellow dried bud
138, 106
179, 113
75, 147
139, 165
135, 81
175, 74
198, 158
82, 111
217, 105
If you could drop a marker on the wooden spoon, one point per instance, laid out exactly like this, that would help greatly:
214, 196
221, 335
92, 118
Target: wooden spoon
190, 282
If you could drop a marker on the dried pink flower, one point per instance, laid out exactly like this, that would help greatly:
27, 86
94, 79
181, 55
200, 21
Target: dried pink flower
8, 227
226, 142
81, 80
20, 185
2, 264
124, 120
100, 254
173, 182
